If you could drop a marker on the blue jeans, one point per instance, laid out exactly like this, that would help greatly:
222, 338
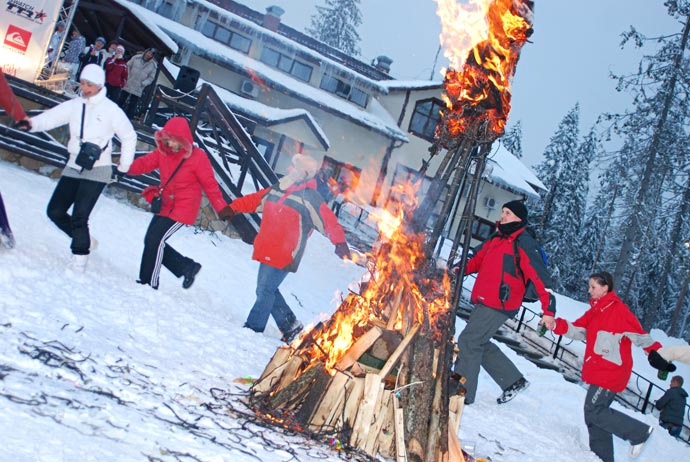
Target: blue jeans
269, 301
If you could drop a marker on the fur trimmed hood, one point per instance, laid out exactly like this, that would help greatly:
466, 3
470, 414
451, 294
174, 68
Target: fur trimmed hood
176, 129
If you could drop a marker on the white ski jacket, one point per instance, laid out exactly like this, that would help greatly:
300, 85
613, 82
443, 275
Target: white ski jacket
102, 120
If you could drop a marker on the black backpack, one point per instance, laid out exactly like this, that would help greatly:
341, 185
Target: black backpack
531, 294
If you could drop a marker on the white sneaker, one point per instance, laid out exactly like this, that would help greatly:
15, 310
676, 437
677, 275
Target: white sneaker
79, 262
636, 449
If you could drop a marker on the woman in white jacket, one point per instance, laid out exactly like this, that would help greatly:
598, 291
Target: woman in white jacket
80, 188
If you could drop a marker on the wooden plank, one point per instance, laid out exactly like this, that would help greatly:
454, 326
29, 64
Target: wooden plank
393, 308
372, 439
386, 439
354, 393
400, 448
454, 447
362, 344
398, 352
332, 403
273, 371
456, 406
373, 388
290, 372
295, 390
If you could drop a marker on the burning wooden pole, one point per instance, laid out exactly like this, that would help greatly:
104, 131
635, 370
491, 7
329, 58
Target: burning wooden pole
374, 376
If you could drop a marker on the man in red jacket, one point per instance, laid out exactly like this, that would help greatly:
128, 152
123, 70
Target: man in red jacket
9, 102
497, 294
292, 209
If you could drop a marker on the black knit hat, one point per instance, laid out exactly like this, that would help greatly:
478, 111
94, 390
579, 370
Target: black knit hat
518, 208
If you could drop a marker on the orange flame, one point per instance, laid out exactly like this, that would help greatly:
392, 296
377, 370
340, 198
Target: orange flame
483, 38
401, 291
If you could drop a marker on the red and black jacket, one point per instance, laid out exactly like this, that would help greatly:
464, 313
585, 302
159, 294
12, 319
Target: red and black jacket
496, 265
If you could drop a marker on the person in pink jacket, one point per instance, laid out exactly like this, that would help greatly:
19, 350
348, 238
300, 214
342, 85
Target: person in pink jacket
609, 329
184, 171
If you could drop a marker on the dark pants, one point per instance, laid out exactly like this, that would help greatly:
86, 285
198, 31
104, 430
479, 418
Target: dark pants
113, 92
129, 103
270, 302
158, 253
603, 422
673, 429
477, 350
4, 222
81, 195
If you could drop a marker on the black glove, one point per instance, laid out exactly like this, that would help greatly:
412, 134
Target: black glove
226, 213
658, 362
23, 125
117, 175
343, 251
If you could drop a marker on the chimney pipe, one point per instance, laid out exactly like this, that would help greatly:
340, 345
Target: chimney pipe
383, 64
272, 17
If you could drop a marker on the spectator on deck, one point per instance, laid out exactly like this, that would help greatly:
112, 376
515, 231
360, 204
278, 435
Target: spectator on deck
672, 407
184, 171
142, 70
291, 210
75, 48
92, 118
116, 73
609, 329
94, 54
54, 44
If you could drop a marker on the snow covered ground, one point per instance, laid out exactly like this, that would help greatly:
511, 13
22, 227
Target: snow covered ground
94, 367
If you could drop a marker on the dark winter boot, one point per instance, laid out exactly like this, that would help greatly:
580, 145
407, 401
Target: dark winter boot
512, 391
190, 275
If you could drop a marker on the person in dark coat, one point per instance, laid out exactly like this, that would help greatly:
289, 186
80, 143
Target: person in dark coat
184, 171
672, 407
10, 103
609, 330
116, 73
497, 295
291, 210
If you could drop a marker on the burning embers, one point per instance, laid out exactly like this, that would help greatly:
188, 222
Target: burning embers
343, 379
479, 94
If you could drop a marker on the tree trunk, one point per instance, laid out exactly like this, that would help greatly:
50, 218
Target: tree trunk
633, 231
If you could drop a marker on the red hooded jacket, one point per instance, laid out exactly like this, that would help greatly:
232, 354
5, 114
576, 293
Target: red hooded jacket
181, 198
609, 329
289, 217
8, 101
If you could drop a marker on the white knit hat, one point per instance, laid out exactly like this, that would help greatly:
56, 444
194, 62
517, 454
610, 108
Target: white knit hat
94, 74
304, 167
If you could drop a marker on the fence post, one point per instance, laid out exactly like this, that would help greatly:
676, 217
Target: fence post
522, 317
558, 346
646, 398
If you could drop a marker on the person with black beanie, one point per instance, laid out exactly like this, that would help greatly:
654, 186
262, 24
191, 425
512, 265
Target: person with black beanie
498, 291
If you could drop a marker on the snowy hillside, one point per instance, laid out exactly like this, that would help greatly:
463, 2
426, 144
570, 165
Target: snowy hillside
94, 367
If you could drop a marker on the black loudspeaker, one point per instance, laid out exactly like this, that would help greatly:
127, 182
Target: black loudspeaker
187, 79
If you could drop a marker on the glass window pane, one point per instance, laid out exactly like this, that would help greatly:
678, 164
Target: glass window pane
270, 57
328, 83
222, 34
209, 29
302, 71
285, 63
358, 97
240, 42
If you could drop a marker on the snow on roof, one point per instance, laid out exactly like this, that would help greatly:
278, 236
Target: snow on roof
505, 169
144, 16
411, 84
210, 48
267, 114
293, 45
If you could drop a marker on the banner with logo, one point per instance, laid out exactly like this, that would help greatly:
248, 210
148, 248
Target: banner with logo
25, 30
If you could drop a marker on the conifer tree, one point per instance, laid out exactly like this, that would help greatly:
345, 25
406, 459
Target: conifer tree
336, 25
512, 140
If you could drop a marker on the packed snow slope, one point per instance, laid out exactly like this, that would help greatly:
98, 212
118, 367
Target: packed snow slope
95, 367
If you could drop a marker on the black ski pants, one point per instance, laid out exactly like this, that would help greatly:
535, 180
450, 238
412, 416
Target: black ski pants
158, 253
81, 195
603, 422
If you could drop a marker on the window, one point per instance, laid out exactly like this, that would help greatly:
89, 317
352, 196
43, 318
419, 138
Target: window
346, 175
224, 35
425, 118
482, 229
344, 90
286, 64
